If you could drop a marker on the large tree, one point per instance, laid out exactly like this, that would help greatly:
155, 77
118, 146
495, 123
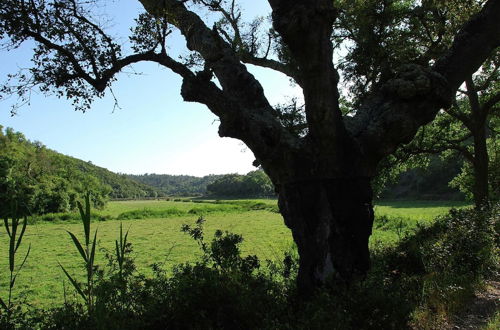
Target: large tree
322, 173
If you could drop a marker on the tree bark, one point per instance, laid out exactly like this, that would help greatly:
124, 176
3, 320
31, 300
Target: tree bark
480, 167
331, 221
480, 159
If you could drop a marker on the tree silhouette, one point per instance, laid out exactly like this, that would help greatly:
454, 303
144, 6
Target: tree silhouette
322, 173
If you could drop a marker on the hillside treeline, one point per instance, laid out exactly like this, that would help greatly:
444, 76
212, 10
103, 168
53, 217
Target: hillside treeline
253, 184
177, 185
50, 182
47, 181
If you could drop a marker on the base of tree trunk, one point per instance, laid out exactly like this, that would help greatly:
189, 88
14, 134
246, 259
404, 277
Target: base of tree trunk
331, 221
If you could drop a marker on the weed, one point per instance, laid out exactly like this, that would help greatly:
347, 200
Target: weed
14, 243
87, 252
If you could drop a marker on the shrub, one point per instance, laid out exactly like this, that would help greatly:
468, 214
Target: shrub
149, 213
446, 262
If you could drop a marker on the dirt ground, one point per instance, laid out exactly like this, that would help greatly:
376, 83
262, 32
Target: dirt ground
480, 310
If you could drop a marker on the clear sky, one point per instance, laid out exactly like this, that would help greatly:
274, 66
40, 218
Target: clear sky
154, 131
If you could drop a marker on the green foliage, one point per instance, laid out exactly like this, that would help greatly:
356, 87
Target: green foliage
464, 181
70, 217
204, 207
469, 130
253, 184
223, 252
176, 212
99, 52
494, 323
45, 181
416, 283
121, 248
149, 213
48, 182
377, 37
425, 180
466, 246
7, 307
441, 265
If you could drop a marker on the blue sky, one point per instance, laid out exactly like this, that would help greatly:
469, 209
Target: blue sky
154, 131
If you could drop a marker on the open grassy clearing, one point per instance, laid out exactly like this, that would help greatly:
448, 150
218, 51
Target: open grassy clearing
416, 210
159, 240
154, 241
115, 208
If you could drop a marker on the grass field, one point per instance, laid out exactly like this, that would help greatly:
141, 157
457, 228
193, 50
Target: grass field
159, 240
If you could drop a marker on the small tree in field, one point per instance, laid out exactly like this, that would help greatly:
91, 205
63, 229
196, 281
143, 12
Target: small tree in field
400, 73
469, 128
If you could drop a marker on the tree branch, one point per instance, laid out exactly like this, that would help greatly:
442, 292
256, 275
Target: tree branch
454, 111
436, 150
393, 114
473, 44
241, 105
473, 96
80, 72
287, 70
312, 50
490, 102
218, 55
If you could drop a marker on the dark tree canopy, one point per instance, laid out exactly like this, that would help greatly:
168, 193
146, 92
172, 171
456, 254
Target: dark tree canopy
419, 53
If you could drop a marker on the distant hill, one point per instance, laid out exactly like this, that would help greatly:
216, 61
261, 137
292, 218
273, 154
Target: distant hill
44, 181
177, 185
253, 184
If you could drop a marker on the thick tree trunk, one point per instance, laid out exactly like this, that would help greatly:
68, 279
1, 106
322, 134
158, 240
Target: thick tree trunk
480, 166
331, 221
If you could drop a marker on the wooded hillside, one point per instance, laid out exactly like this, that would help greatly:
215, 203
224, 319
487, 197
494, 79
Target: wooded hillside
52, 182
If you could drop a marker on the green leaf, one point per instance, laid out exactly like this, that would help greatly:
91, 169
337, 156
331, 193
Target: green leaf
24, 261
75, 283
125, 241
118, 255
2, 303
80, 208
92, 253
22, 233
6, 223
20, 267
12, 248
121, 232
78, 246
86, 223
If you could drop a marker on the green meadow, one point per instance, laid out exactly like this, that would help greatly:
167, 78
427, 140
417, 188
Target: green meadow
159, 240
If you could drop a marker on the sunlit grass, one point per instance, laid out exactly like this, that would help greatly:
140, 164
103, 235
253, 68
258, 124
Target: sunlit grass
161, 241
154, 241
417, 210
